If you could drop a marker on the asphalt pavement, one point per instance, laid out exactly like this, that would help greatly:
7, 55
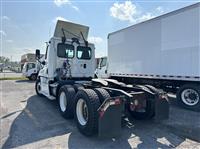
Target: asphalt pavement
29, 121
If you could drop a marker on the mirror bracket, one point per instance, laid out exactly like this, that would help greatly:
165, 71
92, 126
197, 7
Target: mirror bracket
37, 54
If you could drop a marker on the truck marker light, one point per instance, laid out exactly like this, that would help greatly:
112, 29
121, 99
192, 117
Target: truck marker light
117, 101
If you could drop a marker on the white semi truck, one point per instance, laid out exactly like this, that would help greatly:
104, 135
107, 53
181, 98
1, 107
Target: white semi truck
163, 51
97, 105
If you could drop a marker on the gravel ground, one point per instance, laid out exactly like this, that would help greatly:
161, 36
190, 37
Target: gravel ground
29, 121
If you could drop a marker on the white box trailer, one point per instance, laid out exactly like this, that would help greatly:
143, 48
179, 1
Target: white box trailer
163, 51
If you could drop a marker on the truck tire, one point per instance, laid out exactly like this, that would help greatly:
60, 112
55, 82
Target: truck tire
38, 88
33, 77
102, 94
189, 96
86, 114
66, 101
147, 114
78, 87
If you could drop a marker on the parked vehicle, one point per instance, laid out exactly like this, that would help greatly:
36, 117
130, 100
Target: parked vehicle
97, 105
1, 67
101, 70
29, 57
164, 52
30, 70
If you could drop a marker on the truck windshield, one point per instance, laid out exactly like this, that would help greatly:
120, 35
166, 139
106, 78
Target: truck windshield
65, 50
84, 52
30, 66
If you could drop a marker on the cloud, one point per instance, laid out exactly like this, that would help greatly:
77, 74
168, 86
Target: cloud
60, 3
160, 9
144, 17
5, 18
28, 50
59, 18
128, 11
75, 7
123, 11
2, 33
95, 40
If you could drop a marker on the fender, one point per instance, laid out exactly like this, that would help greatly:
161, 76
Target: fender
100, 81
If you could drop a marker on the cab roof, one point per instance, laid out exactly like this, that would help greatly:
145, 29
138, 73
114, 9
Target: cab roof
70, 29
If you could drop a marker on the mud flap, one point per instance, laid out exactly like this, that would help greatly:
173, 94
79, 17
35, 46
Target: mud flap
110, 114
161, 108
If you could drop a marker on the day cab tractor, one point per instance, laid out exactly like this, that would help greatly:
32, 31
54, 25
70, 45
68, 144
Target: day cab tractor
97, 105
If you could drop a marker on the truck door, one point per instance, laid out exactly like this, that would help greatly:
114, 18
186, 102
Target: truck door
84, 62
102, 68
31, 69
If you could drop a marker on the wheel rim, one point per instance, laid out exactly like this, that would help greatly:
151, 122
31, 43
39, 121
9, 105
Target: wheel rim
63, 101
190, 97
39, 87
33, 77
82, 112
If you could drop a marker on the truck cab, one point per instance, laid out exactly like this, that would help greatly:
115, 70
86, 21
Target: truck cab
68, 57
101, 70
30, 70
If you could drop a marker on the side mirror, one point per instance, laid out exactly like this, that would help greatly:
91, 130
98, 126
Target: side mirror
37, 53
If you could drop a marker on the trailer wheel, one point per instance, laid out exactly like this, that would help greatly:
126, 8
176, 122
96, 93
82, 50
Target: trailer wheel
38, 87
102, 94
87, 103
78, 87
144, 115
189, 96
66, 101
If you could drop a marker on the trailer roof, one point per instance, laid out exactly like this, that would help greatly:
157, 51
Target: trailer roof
161, 16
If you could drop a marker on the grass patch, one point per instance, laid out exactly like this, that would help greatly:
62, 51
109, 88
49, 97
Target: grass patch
14, 78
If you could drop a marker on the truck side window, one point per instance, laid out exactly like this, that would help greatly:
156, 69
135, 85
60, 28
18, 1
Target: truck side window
103, 62
65, 50
84, 52
30, 66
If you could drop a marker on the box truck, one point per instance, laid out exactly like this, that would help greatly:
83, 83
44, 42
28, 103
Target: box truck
30, 70
163, 51
97, 105
29, 57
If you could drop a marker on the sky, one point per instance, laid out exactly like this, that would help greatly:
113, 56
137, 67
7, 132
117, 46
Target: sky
27, 24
